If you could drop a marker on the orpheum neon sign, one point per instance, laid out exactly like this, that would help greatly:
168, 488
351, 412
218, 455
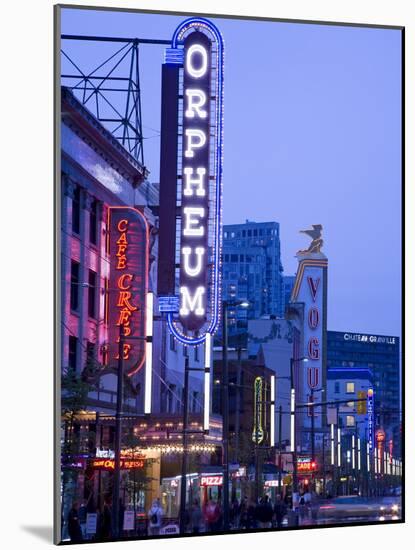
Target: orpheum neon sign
197, 45
127, 247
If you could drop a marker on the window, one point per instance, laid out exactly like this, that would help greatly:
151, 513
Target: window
172, 343
170, 398
234, 257
93, 223
349, 387
349, 421
194, 401
105, 354
185, 354
350, 404
196, 353
74, 285
249, 232
92, 287
105, 298
76, 210
337, 387
90, 353
72, 353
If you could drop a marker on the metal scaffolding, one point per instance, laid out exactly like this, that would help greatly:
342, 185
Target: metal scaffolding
111, 91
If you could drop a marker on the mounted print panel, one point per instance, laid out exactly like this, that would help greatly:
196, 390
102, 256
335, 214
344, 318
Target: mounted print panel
229, 348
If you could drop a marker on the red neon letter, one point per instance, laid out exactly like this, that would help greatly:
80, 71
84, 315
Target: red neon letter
122, 225
314, 349
313, 318
123, 279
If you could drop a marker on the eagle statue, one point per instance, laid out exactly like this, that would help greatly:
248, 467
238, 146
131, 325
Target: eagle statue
317, 241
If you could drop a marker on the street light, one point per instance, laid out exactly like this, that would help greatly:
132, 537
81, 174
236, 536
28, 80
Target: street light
225, 404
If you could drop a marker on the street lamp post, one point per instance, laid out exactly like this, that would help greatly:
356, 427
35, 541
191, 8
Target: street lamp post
294, 433
183, 480
225, 416
117, 443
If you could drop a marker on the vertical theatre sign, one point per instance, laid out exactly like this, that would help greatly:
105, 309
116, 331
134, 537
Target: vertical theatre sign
127, 248
310, 289
193, 69
195, 181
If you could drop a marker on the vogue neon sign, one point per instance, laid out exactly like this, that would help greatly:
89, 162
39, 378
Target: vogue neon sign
313, 345
201, 177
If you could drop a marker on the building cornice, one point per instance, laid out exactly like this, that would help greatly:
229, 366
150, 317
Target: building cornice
77, 117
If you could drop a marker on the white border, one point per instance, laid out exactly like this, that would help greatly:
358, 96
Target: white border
27, 274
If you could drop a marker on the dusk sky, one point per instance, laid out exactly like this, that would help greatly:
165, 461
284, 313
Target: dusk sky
312, 131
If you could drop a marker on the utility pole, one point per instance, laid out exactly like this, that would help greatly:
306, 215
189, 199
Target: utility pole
183, 481
257, 473
313, 451
225, 416
279, 449
117, 442
323, 465
237, 404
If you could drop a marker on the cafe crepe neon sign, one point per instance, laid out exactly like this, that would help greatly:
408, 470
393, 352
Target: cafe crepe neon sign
198, 296
127, 247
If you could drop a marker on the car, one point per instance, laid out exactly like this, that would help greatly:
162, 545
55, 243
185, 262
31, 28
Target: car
347, 507
390, 508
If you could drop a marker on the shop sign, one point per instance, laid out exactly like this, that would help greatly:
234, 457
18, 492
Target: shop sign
305, 464
258, 431
211, 481
128, 524
170, 529
370, 416
109, 464
272, 483
91, 524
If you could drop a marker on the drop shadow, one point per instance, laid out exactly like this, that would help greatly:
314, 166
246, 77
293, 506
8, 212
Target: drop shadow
43, 532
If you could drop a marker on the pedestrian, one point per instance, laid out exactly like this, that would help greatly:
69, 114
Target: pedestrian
74, 526
82, 519
243, 513
264, 513
106, 521
280, 511
121, 510
302, 506
251, 522
195, 516
234, 513
155, 515
211, 515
